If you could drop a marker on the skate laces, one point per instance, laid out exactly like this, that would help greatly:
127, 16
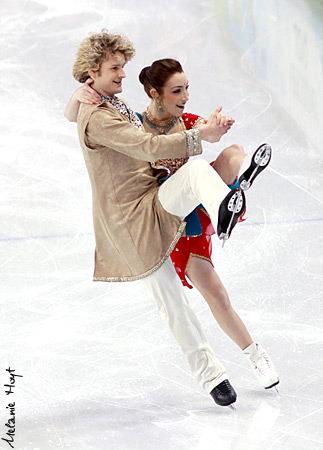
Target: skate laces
262, 363
262, 366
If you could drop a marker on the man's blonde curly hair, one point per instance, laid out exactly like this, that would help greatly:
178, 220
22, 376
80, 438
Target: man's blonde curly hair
95, 49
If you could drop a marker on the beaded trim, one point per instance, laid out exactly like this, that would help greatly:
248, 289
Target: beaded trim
124, 110
171, 165
188, 262
197, 256
193, 142
199, 122
150, 271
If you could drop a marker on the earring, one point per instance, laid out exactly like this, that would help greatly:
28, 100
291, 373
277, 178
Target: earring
159, 105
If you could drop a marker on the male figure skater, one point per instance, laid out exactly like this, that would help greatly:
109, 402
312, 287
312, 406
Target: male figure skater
137, 222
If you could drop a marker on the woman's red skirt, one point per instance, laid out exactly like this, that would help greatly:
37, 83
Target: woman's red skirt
188, 246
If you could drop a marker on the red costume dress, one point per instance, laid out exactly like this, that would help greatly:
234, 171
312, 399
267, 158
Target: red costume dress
199, 245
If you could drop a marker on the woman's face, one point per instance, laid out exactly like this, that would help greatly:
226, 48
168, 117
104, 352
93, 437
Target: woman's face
175, 94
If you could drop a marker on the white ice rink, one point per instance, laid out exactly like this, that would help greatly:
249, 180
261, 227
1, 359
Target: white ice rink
99, 371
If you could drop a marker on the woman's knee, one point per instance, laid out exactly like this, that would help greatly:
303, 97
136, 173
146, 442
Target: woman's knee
237, 148
228, 163
231, 152
219, 301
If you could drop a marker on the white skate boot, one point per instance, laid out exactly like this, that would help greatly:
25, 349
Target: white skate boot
252, 165
262, 365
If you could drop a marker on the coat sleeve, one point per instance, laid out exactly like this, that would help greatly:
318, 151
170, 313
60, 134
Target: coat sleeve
108, 129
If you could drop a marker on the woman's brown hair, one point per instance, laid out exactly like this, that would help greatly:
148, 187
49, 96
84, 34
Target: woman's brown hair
157, 75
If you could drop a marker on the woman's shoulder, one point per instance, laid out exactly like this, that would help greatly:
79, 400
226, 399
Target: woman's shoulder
140, 117
190, 120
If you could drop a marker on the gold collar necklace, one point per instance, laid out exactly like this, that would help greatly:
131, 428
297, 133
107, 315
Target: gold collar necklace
163, 126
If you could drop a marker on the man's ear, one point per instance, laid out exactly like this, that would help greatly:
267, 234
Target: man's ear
92, 74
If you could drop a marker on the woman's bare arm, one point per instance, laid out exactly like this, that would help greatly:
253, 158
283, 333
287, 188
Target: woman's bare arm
84, 94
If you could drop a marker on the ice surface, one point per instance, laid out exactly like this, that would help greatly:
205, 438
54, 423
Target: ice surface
99, 369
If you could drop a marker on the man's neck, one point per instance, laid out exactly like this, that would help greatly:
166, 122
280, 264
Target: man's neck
108, 97
103, 94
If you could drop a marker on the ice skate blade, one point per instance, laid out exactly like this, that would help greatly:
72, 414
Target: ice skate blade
260, 160
274, 385
232, 407
224, 238
230, 211
245, 185
234, 206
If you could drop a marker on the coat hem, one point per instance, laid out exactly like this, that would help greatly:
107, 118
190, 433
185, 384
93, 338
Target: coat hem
153, 269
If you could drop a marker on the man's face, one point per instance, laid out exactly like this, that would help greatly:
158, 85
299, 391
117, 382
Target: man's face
108, 80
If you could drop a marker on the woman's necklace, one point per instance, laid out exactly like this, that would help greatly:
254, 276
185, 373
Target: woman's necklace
163, 126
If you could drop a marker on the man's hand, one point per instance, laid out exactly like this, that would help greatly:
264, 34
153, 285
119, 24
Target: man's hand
216, 126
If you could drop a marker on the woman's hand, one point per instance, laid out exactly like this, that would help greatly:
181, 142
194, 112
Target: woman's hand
216, 126
223, 120
85, 94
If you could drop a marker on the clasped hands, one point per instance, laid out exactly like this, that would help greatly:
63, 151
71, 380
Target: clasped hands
218, 124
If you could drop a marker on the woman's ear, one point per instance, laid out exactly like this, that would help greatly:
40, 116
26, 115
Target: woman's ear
153, 93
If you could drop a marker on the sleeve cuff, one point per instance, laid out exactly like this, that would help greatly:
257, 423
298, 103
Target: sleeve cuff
193, 142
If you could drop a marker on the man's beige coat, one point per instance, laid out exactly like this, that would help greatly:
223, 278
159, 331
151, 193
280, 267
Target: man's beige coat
134, 234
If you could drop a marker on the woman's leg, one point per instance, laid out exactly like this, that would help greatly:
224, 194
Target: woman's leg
196, 182
228, 163
233, 162
206, 280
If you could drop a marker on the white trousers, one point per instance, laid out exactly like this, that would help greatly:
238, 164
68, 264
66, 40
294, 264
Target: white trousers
194, 183
168, 292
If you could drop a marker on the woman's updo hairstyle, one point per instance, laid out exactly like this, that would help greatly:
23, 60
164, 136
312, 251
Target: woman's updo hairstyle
157, 75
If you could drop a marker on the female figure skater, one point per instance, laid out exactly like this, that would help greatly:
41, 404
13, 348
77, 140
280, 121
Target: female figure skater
167, 86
